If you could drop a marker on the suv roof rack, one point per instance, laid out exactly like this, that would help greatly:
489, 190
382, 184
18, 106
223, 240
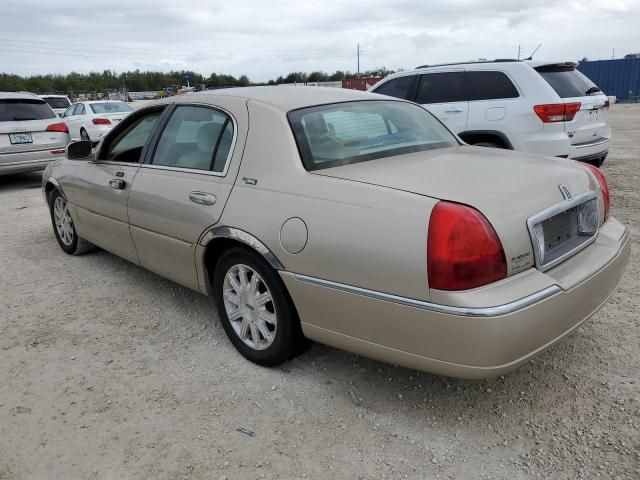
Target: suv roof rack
497, 60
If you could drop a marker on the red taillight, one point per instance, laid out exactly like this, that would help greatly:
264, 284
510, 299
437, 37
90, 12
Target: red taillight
58, 127
557, 112
604, 189
101, 121
463, 249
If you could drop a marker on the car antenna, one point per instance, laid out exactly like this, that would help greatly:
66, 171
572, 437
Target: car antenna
530, 57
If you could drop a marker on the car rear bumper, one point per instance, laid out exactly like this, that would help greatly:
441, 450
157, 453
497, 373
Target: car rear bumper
28, 161
558, 144
464, 340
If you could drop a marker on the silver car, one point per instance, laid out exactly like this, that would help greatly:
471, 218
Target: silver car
31, 134
349, 218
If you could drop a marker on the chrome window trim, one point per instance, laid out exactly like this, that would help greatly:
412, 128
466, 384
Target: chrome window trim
232, 147
550, 212
494, 311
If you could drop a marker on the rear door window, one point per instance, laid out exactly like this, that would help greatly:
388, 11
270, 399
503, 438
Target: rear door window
442, 87
490, 86
567, 81
79, 109
17, 110
397, 87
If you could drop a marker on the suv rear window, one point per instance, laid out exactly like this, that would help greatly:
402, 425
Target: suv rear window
22, 110
57, 102
442, 88
350, 132
490, 86
567, 81
397, 87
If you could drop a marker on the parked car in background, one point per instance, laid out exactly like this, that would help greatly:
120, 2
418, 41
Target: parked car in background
349, 218
59, 103
93, 119
548, 108
31, 134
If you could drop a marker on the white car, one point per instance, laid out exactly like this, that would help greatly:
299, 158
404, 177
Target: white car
92, 120
58, 103
549, 108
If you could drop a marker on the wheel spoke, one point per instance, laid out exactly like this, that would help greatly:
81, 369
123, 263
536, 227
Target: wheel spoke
234, 314
242, 275
231, 297
244, 327
255, 336
267, 317
253, 286
263, 299
264, 330
234, 282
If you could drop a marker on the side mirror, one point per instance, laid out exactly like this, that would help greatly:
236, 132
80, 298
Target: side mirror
82, 150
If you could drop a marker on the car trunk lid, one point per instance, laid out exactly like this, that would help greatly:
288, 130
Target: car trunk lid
31, 135
506, 188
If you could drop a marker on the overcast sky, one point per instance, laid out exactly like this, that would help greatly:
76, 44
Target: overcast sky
264, 39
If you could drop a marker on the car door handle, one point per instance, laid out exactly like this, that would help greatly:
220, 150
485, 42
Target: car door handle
117, 184
453, 110
203, 198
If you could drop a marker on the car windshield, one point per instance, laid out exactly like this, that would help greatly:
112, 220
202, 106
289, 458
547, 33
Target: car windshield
110, 107
567, 81
17, 110
345, 133
57, 102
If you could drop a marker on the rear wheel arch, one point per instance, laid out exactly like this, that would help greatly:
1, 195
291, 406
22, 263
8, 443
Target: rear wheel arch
474, 137
50, 186
221, 239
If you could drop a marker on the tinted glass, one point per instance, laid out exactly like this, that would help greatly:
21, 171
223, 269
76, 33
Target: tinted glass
351, 132
110, 107
80, 110
567, 81
490, 86
70, 110
128, 144
16, 110
195, 137
442, 88
398, 87
57, 102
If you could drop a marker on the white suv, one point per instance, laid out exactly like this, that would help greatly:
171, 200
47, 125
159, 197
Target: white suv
548, 108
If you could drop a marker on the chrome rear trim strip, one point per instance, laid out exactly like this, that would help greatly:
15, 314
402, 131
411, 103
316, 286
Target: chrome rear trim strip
494, 311
592, 143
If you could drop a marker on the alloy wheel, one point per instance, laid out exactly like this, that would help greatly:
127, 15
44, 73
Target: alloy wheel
250, 307
63, 221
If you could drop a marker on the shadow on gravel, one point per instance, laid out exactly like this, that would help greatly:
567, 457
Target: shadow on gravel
20, 181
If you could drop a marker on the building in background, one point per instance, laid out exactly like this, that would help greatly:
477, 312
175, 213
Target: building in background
619, 78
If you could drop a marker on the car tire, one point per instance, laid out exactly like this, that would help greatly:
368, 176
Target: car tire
488, 144
255, 308
84, 135
63, 227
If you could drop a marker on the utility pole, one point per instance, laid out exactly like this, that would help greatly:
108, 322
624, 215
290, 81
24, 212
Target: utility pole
613, 53
358, 54
518, 52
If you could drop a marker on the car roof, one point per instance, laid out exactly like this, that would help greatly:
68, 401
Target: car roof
47, 95
19, 95
284, 98
101, 101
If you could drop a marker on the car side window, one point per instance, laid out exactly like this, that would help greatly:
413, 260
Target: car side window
70, 110
197, 138
442, 88
128, 144
490, 86
79, 109
398, 87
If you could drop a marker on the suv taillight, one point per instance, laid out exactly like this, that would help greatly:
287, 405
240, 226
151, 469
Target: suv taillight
58, 127
101, 121
557, 112
463, 249
604, 189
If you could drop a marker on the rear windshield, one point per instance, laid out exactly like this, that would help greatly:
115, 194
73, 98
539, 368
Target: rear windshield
110, 107
19, 110
567, 81
351, 132
57, 102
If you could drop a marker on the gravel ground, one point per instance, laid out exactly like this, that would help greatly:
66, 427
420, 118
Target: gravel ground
108, 371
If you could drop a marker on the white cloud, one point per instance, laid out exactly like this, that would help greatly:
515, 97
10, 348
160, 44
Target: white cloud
268, 38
